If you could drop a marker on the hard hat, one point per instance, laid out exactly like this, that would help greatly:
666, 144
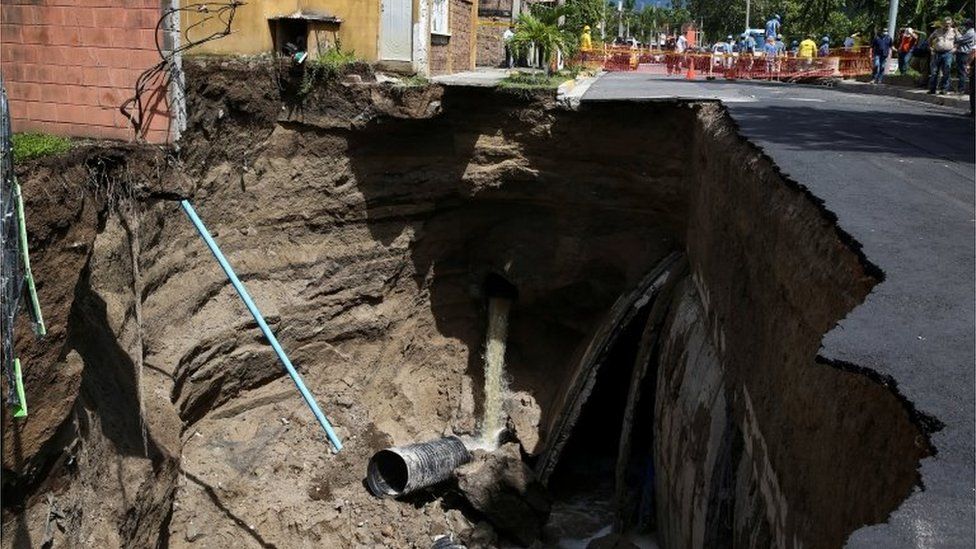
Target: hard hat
776, 16
586, 27
729, 37
779, 36
825, 39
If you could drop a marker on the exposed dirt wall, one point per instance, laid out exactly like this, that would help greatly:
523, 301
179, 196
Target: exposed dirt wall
811, 451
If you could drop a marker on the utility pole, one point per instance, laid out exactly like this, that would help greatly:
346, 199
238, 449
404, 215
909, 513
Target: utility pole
748, 5
620, 18
892, 17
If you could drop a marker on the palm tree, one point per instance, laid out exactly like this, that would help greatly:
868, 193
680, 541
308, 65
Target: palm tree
531, 30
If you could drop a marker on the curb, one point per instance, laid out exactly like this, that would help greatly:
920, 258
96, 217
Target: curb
570, 93
953, 101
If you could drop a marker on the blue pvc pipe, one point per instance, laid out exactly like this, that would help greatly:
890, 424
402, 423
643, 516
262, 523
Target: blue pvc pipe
242, 291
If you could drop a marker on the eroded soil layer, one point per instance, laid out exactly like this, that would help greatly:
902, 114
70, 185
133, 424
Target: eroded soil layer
365, 219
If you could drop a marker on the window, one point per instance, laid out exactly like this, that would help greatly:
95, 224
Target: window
439, 17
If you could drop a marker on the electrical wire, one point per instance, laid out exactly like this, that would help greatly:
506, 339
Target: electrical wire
135, 108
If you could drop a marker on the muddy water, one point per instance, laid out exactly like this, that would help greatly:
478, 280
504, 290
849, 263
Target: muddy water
495, 386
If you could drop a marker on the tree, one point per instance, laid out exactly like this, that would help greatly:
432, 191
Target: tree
833, 18
544, 34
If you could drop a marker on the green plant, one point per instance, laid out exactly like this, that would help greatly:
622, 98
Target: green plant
531, 30
34, 145
533, 80
328, 65
415, 80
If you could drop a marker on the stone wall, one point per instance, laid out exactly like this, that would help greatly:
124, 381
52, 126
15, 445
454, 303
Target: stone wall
69, 64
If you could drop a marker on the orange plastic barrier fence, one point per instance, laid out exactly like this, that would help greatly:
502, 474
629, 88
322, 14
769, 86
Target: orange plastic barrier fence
840, 63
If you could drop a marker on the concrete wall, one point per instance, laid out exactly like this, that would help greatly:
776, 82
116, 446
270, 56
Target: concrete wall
69, 64
358, 32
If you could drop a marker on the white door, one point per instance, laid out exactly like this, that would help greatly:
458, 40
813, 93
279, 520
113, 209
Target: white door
395, 30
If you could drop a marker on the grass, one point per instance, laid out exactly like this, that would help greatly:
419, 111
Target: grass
415, 80
35, 145
330, 64
534, 81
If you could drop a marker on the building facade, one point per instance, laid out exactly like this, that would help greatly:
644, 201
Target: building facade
71, 67
426, 37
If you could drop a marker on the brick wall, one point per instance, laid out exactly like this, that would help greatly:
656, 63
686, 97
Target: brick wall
69, 64
453, 54
491, 45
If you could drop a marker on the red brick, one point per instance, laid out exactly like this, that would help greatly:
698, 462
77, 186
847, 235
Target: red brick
96, 37
65, 36
31, 91
12, 15
96, 76
108, 18
14, 71
11, 53
42, 111
36, 34
143, 59
141, 18
79, 17
43, 15
10, 33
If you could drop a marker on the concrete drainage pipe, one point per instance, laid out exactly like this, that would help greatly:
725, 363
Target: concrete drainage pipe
398, 471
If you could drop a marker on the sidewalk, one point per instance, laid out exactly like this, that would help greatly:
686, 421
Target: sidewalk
912, 94
482, 77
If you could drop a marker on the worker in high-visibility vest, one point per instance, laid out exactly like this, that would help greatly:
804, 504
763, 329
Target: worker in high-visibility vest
586, 41
808, 49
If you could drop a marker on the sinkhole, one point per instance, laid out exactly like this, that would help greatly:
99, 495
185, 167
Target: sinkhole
664, 293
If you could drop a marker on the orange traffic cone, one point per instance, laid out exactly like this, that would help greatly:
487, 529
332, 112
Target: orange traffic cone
690, 75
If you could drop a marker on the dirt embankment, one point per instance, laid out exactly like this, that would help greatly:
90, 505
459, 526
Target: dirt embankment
364, 220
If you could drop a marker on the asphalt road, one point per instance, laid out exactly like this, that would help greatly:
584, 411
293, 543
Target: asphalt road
899, 175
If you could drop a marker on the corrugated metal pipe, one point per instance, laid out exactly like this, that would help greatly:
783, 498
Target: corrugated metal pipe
400, 470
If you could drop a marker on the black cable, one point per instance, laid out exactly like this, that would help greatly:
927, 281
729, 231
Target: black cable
220, 11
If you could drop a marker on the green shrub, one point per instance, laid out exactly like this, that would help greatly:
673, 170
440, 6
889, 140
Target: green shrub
329, 65
534, 81
33, 145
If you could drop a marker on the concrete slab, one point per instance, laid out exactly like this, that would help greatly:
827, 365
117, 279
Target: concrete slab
481, 78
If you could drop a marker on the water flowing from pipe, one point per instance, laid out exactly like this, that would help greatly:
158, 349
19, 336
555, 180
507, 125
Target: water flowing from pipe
495, 386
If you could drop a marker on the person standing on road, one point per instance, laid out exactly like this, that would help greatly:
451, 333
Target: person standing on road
586, 40
942, 43
880, 52
808, 48
964, 45
748, 43
772, 26
770, 51
824, 50
972, 83
906, 43
509, 54
727, 58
